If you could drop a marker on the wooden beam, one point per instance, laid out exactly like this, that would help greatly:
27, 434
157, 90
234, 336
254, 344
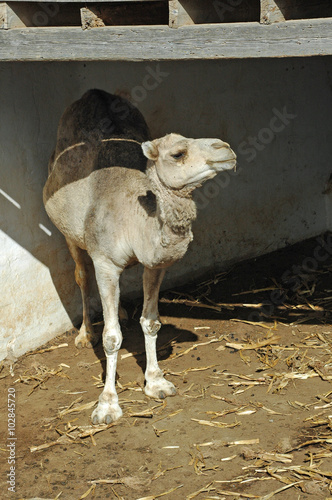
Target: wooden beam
91, 18
283, 10
178, 15
156, 43
8, 18
271, 12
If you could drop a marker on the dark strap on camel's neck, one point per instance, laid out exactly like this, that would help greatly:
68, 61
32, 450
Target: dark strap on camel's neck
83, 144
120, 139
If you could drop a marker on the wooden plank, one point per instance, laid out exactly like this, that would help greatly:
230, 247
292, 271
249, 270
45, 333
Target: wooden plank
283, 10
242, 40
3, 15
91, 18
271, 12
8, 18
178, 15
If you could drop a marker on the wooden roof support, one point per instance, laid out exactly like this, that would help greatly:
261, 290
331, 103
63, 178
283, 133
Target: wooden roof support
271, 12
158, 43
178, 15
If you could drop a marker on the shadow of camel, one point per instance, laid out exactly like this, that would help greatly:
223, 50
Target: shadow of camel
259, 290
169, 336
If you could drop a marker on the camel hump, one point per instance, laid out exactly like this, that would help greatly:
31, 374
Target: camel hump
99, 130
97, 116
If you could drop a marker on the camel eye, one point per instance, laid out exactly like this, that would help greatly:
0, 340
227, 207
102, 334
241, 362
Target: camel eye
178, 155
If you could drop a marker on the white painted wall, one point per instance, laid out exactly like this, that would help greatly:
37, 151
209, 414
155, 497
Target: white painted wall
274, 200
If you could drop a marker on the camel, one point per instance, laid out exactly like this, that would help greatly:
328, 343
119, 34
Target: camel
125, 199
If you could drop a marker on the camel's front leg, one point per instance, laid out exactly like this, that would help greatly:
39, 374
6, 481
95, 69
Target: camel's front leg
107, 275
156, 385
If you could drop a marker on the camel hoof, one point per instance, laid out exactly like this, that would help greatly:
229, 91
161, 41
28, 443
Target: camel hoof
106, 414
86, 339
81, 344
160, 389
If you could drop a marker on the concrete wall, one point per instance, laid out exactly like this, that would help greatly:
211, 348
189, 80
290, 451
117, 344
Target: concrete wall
275, 113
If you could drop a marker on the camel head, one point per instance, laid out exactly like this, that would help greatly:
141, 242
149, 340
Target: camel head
182, 163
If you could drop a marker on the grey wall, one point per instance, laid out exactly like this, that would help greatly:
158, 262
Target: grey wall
274, 199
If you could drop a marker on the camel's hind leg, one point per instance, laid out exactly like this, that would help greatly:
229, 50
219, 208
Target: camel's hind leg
86, 336
156, 385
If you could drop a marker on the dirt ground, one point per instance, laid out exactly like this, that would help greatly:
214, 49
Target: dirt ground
250, 354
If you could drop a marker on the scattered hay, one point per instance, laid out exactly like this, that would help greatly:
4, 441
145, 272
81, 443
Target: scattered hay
161, 472
195, 346
205, 489
76, 409
149, 413
154, 497
218, 443
220, 425
41, 375
188, 370
73, 435
299, 361
253, 345
250, 454
170, 415
87, 493
47, 349
132, 482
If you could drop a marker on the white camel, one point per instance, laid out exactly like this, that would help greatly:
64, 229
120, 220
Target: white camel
125, 199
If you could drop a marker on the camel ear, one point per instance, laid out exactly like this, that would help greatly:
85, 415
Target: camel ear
150, 150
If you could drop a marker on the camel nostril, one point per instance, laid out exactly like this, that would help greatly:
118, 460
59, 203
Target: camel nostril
220, 145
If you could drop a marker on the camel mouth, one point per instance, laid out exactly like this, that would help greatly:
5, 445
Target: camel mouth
219, 166
202, 177
224, 164
226, 161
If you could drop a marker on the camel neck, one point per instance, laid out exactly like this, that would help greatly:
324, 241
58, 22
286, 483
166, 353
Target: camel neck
176, 208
